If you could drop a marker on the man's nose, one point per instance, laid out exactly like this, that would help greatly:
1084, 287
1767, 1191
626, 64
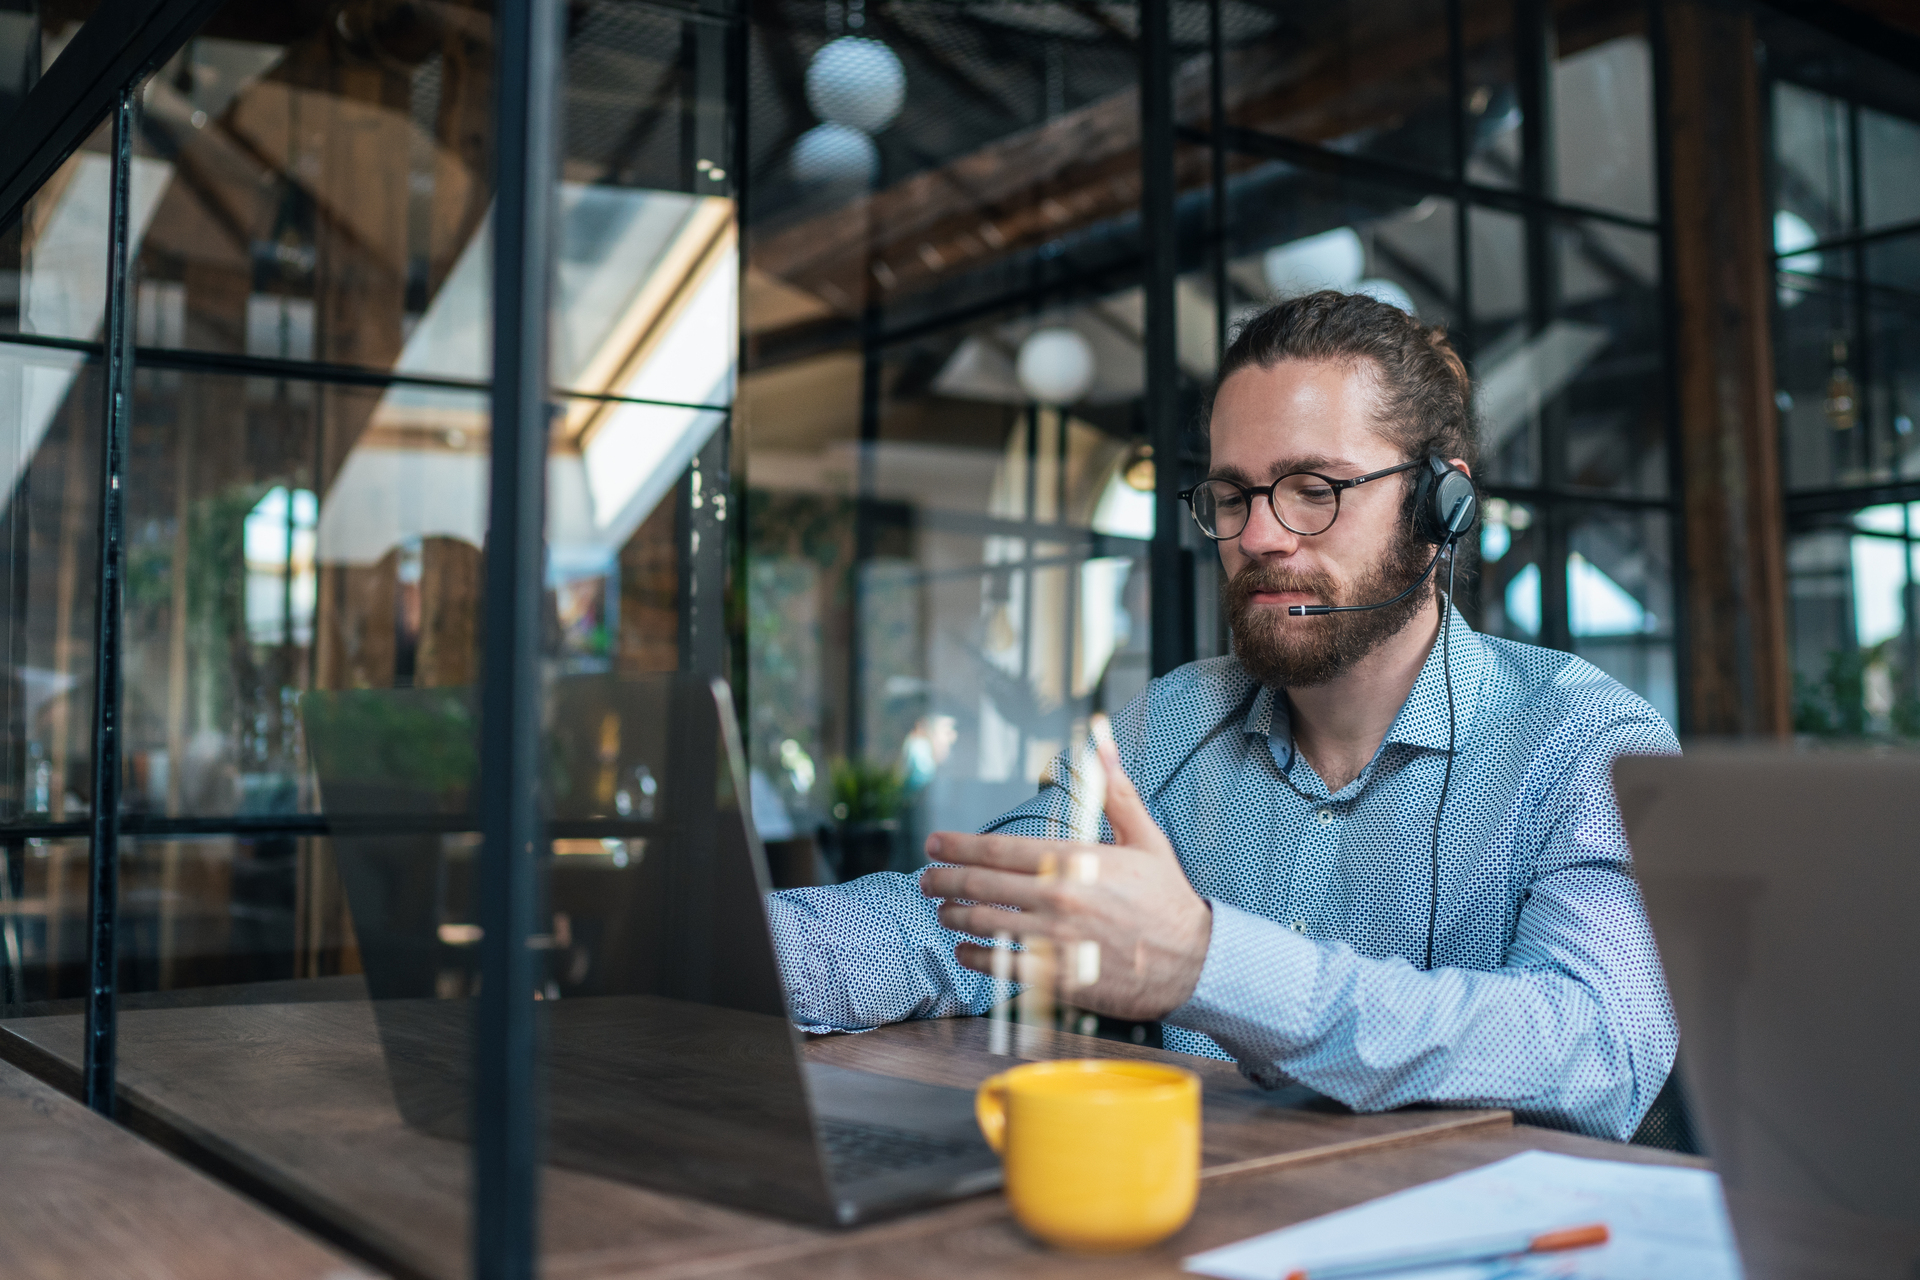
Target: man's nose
1265, 535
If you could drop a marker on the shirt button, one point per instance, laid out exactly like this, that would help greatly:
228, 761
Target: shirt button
1325, 816
1299, 926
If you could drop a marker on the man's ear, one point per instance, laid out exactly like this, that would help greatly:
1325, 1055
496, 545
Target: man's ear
1461, 463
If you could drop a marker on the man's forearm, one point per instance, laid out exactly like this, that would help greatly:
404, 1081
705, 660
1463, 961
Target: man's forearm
1377, 1034
863, 954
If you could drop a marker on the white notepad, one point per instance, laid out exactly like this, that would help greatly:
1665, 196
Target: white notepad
1666, 1224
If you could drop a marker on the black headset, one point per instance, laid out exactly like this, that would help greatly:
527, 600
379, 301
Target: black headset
1445, 505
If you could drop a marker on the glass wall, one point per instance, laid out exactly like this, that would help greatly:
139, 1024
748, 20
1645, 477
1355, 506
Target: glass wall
1845, 131
305, 507
948, 490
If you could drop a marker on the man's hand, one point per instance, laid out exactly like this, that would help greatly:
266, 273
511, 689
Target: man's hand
1151, 927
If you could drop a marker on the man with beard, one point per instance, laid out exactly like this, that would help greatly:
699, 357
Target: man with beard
1363, 854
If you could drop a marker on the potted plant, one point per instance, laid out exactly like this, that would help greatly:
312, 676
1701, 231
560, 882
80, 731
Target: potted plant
867, 800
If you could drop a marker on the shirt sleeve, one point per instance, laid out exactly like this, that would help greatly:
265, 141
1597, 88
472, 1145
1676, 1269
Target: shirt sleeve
859, 955
1574, 1030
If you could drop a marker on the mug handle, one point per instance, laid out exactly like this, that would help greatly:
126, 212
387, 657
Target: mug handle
990, 1110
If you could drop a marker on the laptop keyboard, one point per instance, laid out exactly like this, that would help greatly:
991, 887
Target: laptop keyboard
858, 1150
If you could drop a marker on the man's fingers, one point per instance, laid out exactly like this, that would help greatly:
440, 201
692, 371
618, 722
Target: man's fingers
984, 921
1029, 855
981, 884
1126, 813
976, 957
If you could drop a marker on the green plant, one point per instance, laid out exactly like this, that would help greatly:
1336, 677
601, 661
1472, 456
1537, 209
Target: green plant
864, 791
422, 738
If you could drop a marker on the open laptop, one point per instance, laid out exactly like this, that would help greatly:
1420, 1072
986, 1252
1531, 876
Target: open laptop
670, 1061
1784, 891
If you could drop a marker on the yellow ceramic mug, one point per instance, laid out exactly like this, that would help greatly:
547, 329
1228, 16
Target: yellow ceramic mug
1101, 1155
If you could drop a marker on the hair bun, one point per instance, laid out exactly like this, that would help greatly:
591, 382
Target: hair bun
1443, 347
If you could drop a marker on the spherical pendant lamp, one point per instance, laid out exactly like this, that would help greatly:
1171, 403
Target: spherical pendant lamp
834, 153
856, 82
1055, 366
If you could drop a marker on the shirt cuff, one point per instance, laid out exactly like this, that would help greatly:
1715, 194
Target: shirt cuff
1255, 993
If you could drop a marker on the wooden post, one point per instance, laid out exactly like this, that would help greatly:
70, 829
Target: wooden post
1735, 536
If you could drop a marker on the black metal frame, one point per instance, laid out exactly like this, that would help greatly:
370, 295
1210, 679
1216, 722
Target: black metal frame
103, 869
507, 1081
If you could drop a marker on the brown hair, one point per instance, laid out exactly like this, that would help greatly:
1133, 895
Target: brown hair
1425, 405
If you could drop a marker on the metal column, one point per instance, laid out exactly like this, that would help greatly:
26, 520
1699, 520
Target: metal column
103, 878
506, 1102
1172, 593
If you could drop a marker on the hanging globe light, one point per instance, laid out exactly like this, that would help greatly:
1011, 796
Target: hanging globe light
1055, 366
856, 82
834, 153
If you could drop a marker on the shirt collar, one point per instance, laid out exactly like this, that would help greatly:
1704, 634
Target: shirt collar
1422, 720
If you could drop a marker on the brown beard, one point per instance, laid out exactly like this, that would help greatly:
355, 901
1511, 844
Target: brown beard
1284, 652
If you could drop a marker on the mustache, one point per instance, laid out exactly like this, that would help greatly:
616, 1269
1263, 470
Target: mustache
1256, 578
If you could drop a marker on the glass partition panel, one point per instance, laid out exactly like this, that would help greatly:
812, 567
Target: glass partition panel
947, 493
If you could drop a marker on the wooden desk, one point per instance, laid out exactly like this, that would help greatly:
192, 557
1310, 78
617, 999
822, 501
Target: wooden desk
291, 1102
85, 1198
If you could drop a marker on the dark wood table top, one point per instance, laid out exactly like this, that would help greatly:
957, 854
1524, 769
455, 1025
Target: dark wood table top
85, 1198
291, 1102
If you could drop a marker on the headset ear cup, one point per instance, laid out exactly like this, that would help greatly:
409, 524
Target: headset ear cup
1441, 487
1451, 489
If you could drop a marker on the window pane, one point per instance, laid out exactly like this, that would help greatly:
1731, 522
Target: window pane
1812, 149
1508, 583
1620, 605
1604, 354
1850, 577
43, 934
50, 404
1509, 385
322, 193
1494, 116
1889, 169
57, 253
1603, 121
1848, 403
1291, 232
1365, 78
1892, 401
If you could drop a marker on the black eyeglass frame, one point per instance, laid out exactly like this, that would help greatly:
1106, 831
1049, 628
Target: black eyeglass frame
1266, 490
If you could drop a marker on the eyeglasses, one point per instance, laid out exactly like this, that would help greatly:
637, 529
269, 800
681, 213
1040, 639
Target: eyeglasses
1306, 502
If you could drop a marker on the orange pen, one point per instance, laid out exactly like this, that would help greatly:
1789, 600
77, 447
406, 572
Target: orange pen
1485, 1249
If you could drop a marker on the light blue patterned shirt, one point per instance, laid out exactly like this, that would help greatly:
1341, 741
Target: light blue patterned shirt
1546, 994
